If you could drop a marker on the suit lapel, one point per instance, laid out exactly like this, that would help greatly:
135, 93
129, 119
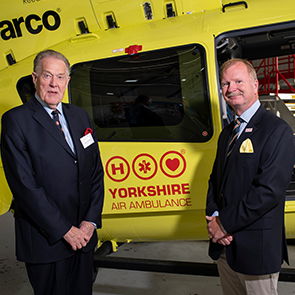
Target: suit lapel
253, 126
225, 143
41, 116
74, 127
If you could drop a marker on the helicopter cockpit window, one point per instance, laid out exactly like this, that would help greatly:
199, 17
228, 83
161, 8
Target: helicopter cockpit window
152, 96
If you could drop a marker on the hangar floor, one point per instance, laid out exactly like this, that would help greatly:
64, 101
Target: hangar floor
13, 278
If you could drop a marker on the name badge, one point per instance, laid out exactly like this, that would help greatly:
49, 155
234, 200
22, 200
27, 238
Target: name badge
87, 140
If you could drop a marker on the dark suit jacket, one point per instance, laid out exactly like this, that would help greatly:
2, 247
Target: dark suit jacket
249, 193
53, 188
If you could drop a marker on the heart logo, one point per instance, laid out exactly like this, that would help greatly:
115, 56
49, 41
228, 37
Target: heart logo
172, 164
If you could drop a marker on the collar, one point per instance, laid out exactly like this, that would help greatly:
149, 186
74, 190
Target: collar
46, 107
249, 113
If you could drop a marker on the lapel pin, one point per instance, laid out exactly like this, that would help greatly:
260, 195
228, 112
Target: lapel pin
248, 129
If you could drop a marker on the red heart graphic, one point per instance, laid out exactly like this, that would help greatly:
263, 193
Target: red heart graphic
172, 164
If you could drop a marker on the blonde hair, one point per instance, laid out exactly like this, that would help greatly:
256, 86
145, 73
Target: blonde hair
233, 61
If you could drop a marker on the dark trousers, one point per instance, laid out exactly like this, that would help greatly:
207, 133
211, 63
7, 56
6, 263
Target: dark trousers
71, 276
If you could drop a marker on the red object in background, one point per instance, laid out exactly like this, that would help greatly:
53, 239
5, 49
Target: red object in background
133, 49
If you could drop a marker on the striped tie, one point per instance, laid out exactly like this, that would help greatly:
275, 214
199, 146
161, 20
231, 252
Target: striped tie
56, 121
235, 134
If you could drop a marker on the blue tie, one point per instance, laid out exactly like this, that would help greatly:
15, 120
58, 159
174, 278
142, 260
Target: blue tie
235, 134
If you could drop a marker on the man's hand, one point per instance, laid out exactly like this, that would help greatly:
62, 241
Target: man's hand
76, 238
216, 233
226, 240
87, 228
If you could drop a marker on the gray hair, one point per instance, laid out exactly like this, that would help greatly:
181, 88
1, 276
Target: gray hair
50, 53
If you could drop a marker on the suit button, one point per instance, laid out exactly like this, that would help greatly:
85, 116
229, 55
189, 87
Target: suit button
75, 162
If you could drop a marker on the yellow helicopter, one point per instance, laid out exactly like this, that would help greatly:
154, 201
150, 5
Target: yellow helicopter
168, 51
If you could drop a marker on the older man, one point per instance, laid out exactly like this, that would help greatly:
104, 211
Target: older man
246, 195
53, 167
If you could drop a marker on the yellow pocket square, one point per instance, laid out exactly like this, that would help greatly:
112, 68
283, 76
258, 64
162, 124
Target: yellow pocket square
246, 146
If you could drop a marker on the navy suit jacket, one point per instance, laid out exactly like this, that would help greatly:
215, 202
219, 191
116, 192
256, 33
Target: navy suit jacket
248, 190
53, 188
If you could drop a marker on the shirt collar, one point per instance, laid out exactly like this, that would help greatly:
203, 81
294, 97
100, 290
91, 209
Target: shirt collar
249, 113
47, 108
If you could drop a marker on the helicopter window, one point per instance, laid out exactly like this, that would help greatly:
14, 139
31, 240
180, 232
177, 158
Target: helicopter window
25, 88
152, 96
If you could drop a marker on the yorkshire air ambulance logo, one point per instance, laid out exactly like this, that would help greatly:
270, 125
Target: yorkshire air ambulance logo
144, 166
173, 164
117, 169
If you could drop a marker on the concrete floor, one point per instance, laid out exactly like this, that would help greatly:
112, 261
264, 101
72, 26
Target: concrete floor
14, 281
